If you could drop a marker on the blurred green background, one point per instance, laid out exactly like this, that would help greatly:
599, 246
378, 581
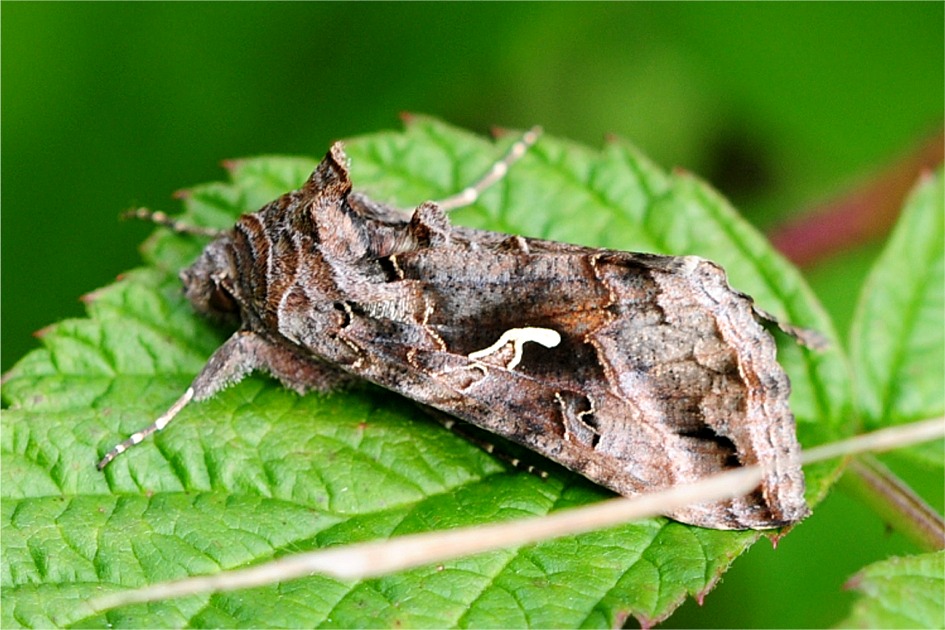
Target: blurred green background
781, 106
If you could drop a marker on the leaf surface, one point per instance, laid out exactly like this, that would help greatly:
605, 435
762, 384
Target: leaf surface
900, 593
897, 338
259, 472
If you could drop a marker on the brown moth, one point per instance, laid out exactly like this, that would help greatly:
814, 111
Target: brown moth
638, 371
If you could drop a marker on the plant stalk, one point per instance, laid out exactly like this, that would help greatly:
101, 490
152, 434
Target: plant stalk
896, 503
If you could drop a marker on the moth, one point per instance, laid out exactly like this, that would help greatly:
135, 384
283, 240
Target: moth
638, 371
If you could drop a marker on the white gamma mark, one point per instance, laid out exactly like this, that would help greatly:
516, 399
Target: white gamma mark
517, 337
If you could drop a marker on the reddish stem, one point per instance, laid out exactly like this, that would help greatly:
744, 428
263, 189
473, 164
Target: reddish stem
865, 214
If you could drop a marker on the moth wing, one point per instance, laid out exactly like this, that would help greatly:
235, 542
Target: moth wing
662, 373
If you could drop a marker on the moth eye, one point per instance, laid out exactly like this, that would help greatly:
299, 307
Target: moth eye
221, 300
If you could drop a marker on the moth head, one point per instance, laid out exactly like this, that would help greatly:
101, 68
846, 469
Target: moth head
209, 285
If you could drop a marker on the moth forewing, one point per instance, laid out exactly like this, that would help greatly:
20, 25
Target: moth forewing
645, 388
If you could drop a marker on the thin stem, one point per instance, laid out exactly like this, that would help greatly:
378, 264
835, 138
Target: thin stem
374, 558
905, 511
862, 215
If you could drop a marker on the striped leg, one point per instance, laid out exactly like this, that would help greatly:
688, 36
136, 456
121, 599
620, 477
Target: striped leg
228, 365
241, 354
466, 431
160, 218
139, 436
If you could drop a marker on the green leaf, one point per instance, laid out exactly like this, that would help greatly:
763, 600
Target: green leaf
900, 593
259, 472
897, 338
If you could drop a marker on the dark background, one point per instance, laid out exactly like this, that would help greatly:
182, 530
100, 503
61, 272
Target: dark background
781, 106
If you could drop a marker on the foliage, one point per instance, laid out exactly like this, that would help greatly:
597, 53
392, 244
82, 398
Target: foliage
258, 472
897, 340
900, 593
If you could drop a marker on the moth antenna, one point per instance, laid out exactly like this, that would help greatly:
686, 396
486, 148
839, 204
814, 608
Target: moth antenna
162, 219
470, 194
139, 436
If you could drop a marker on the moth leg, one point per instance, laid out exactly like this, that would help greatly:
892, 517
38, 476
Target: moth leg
237, 357
229, 364
162, 219
470, 194
300, 374
462, 429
